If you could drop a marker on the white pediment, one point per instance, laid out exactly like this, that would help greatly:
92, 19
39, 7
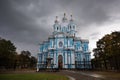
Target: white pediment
60, 35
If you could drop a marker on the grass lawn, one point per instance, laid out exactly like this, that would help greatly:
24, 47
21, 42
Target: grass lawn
32, 76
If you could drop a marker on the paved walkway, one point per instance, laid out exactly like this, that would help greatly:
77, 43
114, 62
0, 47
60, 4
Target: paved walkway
83, 75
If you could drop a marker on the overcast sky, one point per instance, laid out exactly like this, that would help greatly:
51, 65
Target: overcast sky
29, 22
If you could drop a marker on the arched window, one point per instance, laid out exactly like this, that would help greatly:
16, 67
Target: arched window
57, 28
73, 27
70, 27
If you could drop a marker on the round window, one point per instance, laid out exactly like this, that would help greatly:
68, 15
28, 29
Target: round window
60, 44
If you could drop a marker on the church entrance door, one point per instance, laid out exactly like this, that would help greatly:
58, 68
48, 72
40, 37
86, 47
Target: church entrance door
60, 62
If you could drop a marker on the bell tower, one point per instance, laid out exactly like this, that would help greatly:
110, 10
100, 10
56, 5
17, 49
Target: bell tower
56, 26
71, 27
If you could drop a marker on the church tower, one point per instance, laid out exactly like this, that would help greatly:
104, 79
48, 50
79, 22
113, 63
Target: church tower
56, 26
72, 27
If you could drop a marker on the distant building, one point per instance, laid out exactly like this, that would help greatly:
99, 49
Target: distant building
66, 50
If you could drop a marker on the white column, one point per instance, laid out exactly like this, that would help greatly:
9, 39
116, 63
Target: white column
57, 59
73, 59
42, 57
54, 58
65, 60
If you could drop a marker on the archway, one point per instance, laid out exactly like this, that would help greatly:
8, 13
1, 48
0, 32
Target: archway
60, 62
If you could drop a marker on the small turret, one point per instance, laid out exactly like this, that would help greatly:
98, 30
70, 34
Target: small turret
56, 21
71, 20
72, 27
56, 25
64, 18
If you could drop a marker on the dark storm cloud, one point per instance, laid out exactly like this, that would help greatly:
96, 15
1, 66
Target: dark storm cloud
92, 11
18, 25
27, 21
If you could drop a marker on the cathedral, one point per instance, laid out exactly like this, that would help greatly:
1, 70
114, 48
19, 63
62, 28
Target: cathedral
65, 50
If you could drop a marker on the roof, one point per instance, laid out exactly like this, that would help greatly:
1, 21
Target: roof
85, 40
51, 36
77, 38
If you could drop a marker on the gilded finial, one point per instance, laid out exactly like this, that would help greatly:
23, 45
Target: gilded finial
64, 14
71, 18
56, 17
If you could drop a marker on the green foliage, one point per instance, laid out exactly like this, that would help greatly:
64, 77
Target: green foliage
29, 76
26, 60
9, 59
33, 61
108, 49
7, 53
109, 45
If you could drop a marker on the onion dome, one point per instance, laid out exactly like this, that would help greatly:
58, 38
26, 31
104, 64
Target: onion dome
71, 20
56, 21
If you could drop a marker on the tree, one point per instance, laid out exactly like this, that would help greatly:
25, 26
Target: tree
33, 62
108, 50
9, 59
25, 59
7, 53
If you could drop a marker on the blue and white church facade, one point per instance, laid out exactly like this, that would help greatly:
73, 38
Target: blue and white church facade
66, 50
